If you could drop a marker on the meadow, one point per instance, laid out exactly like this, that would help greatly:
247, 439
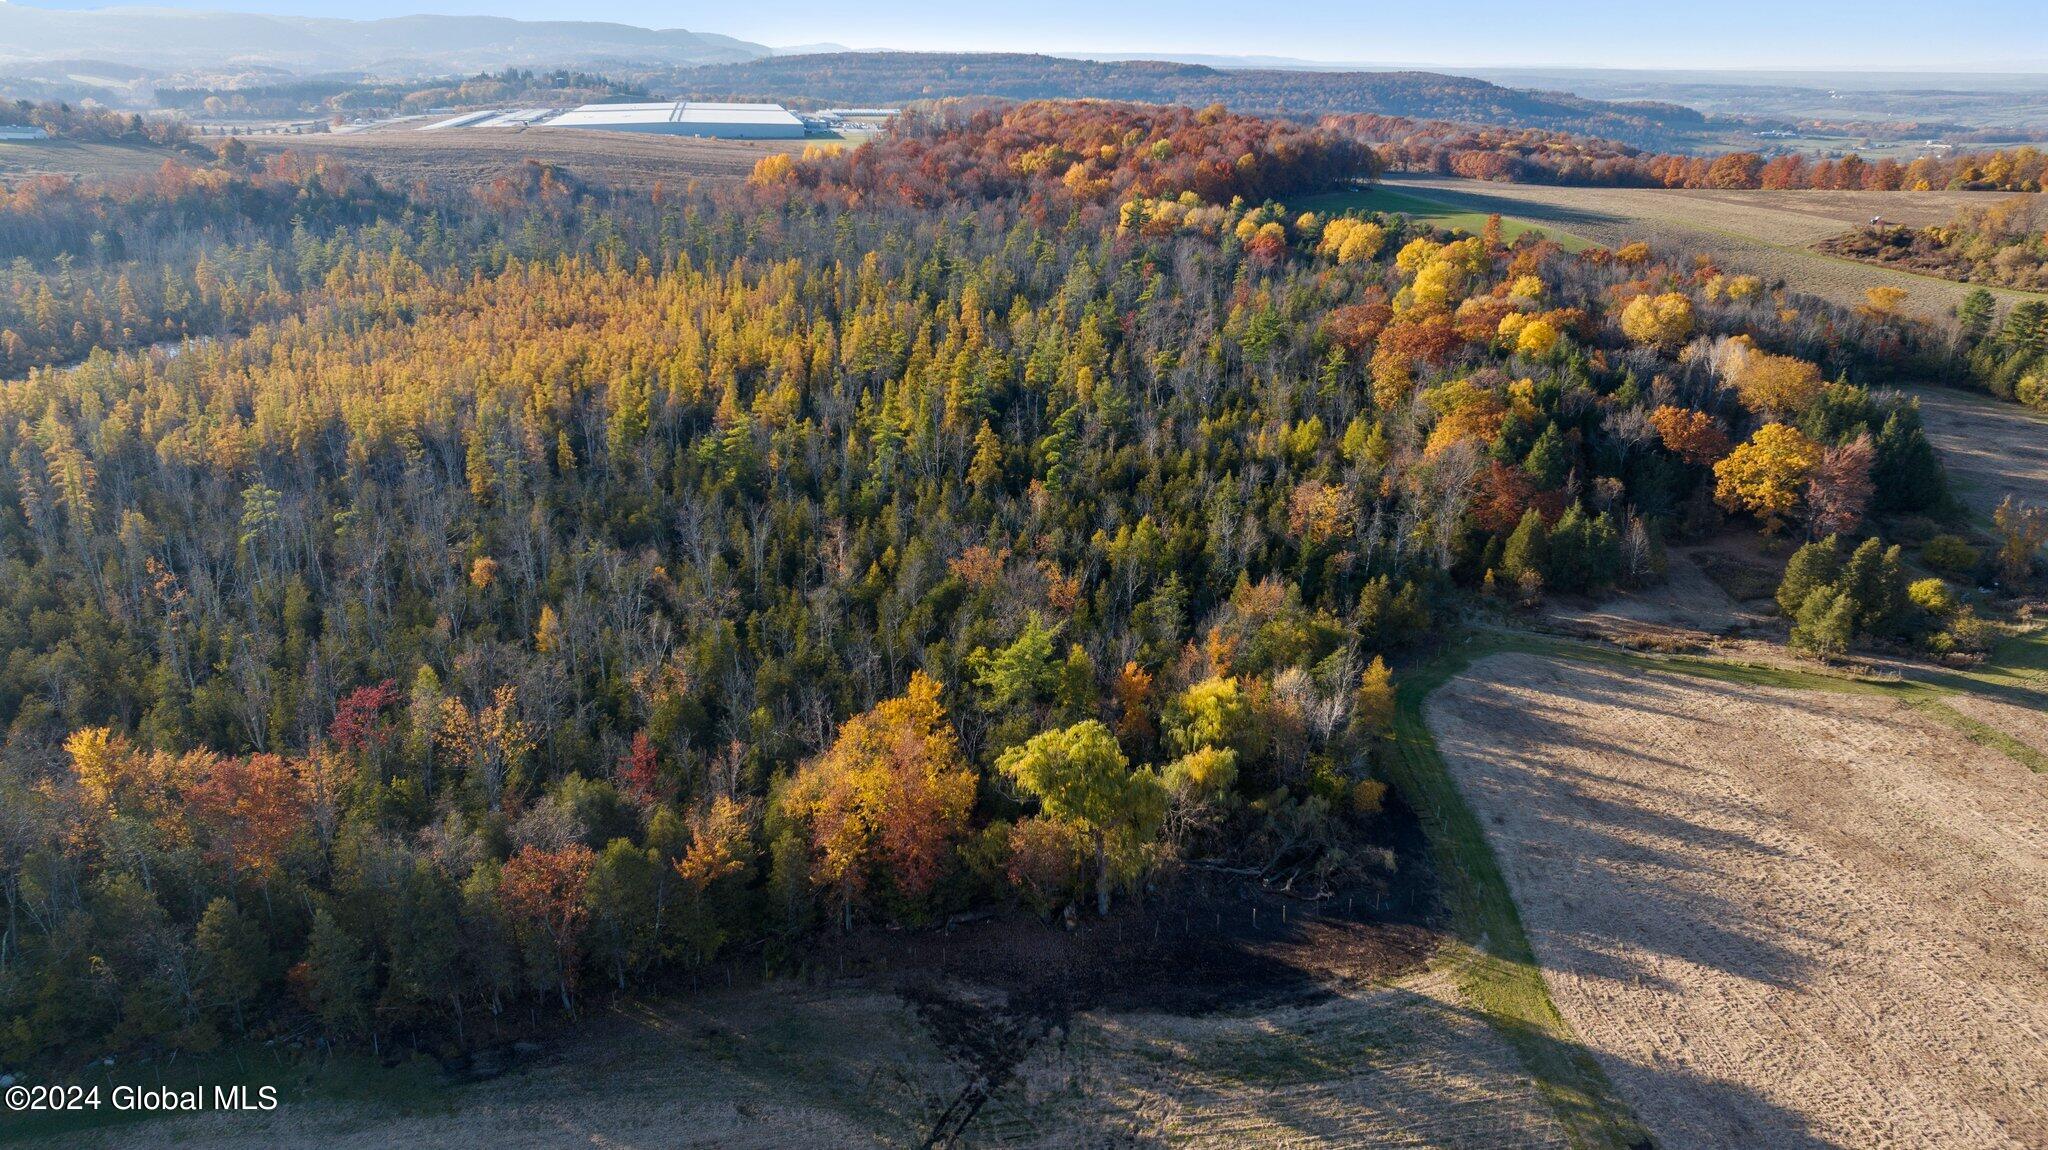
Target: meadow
1765, 233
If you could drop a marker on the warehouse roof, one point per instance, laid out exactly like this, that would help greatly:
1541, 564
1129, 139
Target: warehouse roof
679, 112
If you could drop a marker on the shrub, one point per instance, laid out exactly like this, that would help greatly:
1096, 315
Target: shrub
1932, 596
1950, 553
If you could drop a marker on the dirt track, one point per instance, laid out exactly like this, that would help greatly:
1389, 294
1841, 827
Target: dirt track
1767, 233
1786, 919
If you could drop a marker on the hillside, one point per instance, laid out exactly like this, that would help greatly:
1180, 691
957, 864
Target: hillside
897, 77
420, 45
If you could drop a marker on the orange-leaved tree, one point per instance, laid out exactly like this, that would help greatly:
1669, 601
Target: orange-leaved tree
887, 801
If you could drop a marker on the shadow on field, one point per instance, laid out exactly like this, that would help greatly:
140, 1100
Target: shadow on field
1526, 209
1613, 839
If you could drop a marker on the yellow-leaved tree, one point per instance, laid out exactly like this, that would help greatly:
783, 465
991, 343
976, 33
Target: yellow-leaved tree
1767, 475
1662, 320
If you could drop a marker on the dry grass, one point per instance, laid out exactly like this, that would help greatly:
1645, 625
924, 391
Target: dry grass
1781, 918
2023, 723
1767, 233
1409, 1064
462, 159
1990, 448
71, 158
445, 160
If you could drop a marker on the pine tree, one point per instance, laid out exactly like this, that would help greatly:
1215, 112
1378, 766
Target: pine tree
335, 977
1826, 625
1812, 567
1974, 316
1528, 548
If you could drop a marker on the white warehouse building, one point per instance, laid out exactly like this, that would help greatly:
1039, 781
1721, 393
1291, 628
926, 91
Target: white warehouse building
685, 118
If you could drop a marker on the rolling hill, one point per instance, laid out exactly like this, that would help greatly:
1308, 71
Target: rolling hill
420, 45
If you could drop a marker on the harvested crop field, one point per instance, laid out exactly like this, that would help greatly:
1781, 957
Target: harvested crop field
1767, 233
464, 159
1779, 918
73, 158
1991, 448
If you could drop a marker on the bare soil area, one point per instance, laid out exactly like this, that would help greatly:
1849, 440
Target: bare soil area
2018, 720
1766, 233
463, 159
1710, 591
1780, 918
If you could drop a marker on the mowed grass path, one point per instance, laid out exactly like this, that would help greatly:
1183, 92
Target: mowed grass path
1436, 213
1496, 967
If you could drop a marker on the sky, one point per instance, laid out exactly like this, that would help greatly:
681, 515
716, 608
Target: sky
1835, 34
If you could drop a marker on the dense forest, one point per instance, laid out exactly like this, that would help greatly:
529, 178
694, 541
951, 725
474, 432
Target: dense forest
497, 601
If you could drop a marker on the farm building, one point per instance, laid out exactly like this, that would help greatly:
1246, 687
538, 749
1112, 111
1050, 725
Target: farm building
683, 118
22, 132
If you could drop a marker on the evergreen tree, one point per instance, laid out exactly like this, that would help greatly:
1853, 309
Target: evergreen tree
1547, 462
1812, 567
1827, 624
1974, 316
1906, 475
233, 957
335, 977
1528, 548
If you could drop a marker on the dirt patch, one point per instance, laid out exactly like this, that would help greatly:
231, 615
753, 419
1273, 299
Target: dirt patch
1780, 918
2027, 724
1707, 593
1405, 1065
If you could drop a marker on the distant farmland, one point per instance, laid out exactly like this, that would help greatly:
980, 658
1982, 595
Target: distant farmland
1436, 212
468, 158
1767, 233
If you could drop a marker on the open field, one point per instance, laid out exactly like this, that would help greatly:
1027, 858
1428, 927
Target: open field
1779, 917
1767, 233
72, 158
1992, 448
1434, 212
462, 159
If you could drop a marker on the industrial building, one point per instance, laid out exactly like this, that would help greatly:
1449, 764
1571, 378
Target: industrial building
685, 118
22, 132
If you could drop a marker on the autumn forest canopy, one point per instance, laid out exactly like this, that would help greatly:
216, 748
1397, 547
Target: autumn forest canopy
425, 613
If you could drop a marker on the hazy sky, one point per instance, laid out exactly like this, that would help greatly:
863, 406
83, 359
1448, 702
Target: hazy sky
2010, 34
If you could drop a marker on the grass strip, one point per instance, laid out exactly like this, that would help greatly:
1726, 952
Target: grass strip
1495, 965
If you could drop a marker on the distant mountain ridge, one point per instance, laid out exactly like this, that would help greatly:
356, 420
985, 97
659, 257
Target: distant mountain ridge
896, 77
164, 38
